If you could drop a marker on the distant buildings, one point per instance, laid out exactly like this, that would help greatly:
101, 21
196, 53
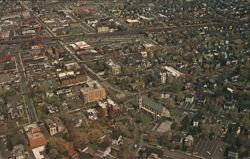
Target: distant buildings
93, 92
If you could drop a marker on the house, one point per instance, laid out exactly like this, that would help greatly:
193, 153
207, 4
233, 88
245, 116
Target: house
189, 98
52, 109
2, 118
2, 102
87, 152
54, 125
35, 136
201, 100
229, 104
173, 71
16, 112
103, 108
116, 140
233, 153
103, 151
197, 120
189, 141
92, 114
19, 152
102, 29
177, 140
155, 109
115, 69
163, 76
77, 120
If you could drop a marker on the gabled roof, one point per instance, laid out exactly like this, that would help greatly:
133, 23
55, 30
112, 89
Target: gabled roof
152, 104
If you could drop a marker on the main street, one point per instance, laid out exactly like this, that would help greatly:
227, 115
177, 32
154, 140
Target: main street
29, 105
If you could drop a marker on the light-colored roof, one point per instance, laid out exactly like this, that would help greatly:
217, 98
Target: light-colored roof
37, 152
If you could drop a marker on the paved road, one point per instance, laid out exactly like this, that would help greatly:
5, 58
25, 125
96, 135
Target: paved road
29, 105
176, 154
135, 31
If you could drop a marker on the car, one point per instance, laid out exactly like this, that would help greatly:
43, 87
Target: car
208, 153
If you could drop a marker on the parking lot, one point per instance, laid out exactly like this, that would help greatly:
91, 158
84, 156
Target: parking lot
210, 149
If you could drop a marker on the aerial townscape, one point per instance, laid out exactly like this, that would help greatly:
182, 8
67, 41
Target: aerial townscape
124, 79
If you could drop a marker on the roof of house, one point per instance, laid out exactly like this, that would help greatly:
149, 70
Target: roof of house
152, 104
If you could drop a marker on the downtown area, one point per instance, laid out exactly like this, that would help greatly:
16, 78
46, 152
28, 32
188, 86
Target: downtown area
124, 79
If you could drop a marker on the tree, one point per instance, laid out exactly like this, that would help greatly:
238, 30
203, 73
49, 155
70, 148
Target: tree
185, 123
245, 121
165, 138
180, 96
173, 126
177, 85
54, 100
128, 154
78, 137
53, 153
57, 147
44, 87
94, 135
169, 102
205, 130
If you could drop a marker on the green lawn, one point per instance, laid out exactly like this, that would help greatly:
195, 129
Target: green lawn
143, 118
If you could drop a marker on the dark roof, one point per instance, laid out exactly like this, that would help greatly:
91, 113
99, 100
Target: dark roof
152, 104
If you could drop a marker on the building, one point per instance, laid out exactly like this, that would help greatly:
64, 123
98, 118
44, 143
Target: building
173, 71
70, 77
16, 112
102, 29
189, 141
103, 108
93, 92
233, 153
19, 152
34, 135
163, 77
189, 98
155, 109
116, 69
54, 125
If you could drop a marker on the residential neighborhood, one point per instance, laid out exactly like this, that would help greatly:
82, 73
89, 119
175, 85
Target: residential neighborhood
124, 79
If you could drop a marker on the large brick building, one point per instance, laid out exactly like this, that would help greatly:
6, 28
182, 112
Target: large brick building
35, 136
93, 92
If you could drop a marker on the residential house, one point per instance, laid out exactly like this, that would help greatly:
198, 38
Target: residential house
2, 102
189, 99
233, 153
229, 104
19, 152
54, 125
16, 112
77, 120
116, 139
189, 141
